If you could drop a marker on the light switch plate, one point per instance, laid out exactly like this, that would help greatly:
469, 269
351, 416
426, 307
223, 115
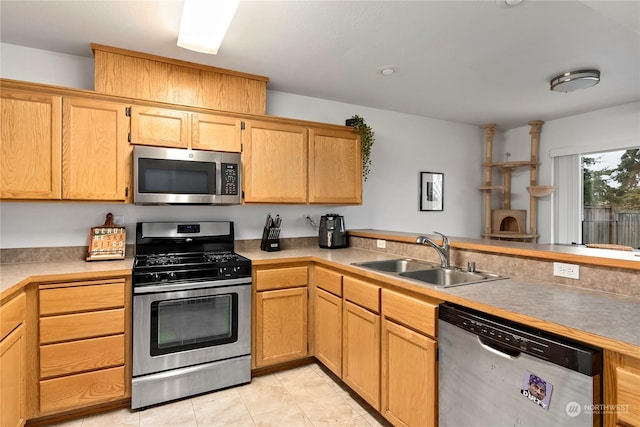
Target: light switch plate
381, 244
571, 271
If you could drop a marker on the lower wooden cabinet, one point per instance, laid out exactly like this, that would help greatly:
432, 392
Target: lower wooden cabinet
83, 350
621, 390
409, 372
409, 360
328, 330
361, 355
12, 365
280, 331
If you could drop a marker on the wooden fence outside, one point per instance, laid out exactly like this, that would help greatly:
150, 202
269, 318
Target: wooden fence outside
604, 225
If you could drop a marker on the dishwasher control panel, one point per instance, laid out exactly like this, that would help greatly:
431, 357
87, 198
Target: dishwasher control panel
514, 338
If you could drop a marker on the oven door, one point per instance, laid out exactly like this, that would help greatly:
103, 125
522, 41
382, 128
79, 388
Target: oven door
187, 327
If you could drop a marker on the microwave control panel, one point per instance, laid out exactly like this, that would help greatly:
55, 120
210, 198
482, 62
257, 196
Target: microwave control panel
229, 179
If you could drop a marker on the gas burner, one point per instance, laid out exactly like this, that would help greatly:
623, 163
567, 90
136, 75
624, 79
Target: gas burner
163, 260
219, 256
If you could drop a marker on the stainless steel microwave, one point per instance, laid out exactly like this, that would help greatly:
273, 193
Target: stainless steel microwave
168, 176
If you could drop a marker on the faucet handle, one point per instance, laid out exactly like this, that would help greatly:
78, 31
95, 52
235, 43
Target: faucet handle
445, 239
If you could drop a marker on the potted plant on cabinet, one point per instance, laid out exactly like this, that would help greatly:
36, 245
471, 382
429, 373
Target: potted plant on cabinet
367, 138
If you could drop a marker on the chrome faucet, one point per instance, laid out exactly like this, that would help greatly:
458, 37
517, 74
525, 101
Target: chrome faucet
443, 250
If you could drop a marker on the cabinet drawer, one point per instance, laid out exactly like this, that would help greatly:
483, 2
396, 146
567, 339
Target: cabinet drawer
85, 297
280, 278
12, 314
76, 326
328, 280
77, 391
79, 356
412, 312
362, 293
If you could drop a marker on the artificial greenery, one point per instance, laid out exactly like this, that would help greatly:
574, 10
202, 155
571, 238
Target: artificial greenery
367, 138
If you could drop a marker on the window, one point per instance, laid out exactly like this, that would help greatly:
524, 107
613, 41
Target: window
597, 196
611, 198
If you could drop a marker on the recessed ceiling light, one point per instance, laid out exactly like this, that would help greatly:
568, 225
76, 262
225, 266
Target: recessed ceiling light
204, 24
509, 3
574, 80
386, 70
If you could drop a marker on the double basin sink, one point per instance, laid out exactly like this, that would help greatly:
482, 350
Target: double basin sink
429, 273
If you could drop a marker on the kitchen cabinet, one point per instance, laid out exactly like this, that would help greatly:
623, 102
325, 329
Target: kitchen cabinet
274, 162
12, 365
31, 145
293, 163
361, 339
327, 318
83, 350
94, 150
409, 360
621, 390
280, 329
173, 128
335, 167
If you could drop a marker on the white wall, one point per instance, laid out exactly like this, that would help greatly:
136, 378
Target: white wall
606, 129
405, 145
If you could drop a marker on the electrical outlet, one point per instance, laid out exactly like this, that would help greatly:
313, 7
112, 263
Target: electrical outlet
571, 271
118, 220
381, 244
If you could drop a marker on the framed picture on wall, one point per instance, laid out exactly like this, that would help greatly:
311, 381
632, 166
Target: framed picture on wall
431, 191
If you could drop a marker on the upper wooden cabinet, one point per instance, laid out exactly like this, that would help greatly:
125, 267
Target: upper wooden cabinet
165, 127
94, 147
286, 163
139, 75
31, 145
275, 163
335, 167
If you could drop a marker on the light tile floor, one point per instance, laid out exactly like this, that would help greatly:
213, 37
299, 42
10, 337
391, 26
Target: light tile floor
299, 397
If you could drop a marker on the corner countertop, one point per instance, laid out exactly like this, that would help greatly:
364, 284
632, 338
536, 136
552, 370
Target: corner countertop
599, 318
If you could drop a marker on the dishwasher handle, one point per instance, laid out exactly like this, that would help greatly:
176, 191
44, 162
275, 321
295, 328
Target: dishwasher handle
498, 350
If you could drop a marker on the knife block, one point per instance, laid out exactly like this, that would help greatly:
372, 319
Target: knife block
270, 239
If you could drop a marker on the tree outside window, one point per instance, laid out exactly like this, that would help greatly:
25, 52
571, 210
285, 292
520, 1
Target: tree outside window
611, 198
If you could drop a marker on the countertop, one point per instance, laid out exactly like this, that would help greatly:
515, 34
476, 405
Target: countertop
598, 318
15, 276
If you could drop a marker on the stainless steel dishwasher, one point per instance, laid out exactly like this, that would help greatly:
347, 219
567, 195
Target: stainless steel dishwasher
495, 373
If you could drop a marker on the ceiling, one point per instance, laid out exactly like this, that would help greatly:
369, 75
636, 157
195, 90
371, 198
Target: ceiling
472, 62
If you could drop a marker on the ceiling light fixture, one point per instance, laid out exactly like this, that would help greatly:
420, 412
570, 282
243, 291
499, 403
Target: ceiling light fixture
574, 80
204, 24
386, 70
509, 3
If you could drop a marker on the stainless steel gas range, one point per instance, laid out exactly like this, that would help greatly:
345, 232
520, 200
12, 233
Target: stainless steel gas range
191, 311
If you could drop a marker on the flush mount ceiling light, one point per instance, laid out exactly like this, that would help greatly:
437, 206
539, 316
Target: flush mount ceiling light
509, 3
574, 80
386, 70
204, 24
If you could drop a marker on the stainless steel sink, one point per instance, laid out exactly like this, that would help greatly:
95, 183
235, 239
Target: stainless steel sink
430, 273
447, 277
396, 265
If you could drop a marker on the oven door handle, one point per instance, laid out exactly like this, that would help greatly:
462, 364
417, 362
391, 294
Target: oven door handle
186, 286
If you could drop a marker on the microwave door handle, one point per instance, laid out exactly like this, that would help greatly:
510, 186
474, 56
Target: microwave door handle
218, 166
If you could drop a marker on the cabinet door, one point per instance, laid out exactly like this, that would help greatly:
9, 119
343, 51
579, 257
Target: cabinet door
409, 372
621, 390
281, 326
12, 379
361, 352
335, 167
328, 330
94, 150
160, 127
31, 145
274, 163
216, 133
